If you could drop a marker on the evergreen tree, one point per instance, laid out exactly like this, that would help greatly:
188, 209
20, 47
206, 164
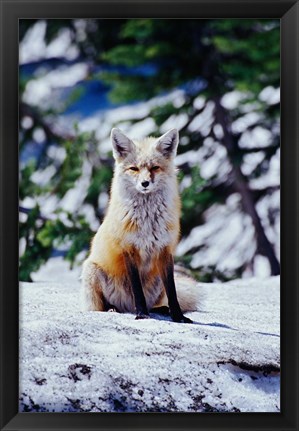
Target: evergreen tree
138, 59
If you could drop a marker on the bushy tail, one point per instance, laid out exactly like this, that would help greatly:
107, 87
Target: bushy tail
189, 294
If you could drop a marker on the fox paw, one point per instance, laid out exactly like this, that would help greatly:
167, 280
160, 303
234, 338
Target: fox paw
142, 316
181, 319
161, 310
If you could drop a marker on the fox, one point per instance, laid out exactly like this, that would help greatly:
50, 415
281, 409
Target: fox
130, 267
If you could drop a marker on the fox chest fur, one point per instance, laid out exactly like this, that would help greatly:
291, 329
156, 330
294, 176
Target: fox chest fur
150, 224
143, 226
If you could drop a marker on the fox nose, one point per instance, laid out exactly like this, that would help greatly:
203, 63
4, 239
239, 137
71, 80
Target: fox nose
145, 184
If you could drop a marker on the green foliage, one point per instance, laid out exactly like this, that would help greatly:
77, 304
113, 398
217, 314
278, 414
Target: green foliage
195, 199
43, 236
71, 168
134, 55
250, 51
222, 55
101, 181
161, 113
27, 186
74, 96
77, 232
138, 29
125, 88
35, 253
242, 54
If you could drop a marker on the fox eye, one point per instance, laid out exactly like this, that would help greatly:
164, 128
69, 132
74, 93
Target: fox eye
133, 168
155, 168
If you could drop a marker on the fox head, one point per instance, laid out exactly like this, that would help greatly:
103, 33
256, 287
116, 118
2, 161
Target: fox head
144, 165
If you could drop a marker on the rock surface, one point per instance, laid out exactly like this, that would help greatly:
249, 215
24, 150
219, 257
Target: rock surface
226, 361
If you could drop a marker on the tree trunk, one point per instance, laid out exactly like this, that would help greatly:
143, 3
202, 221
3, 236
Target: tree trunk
240, 184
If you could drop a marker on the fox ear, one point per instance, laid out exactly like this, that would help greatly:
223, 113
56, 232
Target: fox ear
167, 144
121, 144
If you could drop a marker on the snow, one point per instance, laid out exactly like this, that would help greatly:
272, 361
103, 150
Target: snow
75, 361
272, 176
39, 135
143, 128
199, 102
38, 91
270, 95
43, 176
34, 47
226, 238
215, 164
75, 196
242, 123
179, 120
26, 122
203, 120
255, 138
261, 266
251, 161
232, 99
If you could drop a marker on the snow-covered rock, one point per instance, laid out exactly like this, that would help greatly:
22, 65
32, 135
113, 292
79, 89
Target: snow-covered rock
226, 361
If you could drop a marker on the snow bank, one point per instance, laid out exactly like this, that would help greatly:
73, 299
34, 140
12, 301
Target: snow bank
74, 361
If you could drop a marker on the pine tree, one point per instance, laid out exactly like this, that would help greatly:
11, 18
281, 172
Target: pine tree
138, 60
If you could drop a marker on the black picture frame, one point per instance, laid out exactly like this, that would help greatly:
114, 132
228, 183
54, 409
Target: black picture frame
11, 12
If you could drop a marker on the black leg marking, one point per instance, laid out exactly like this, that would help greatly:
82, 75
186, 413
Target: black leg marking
140, 303
174, 306
164, 310
141, 316
110, 307
112, 310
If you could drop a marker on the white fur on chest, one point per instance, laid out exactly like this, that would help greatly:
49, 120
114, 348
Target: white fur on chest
152, 215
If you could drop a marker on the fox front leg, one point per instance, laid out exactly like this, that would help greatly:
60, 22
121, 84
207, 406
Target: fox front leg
168, 280
140, 303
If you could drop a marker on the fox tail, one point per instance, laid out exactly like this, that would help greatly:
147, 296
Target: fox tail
189, 294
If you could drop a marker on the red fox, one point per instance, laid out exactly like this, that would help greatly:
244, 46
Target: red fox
130, 265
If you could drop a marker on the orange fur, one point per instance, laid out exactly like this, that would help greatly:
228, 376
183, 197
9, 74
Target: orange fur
108, 255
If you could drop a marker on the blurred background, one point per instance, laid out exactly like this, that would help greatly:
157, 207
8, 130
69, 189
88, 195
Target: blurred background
217, 81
